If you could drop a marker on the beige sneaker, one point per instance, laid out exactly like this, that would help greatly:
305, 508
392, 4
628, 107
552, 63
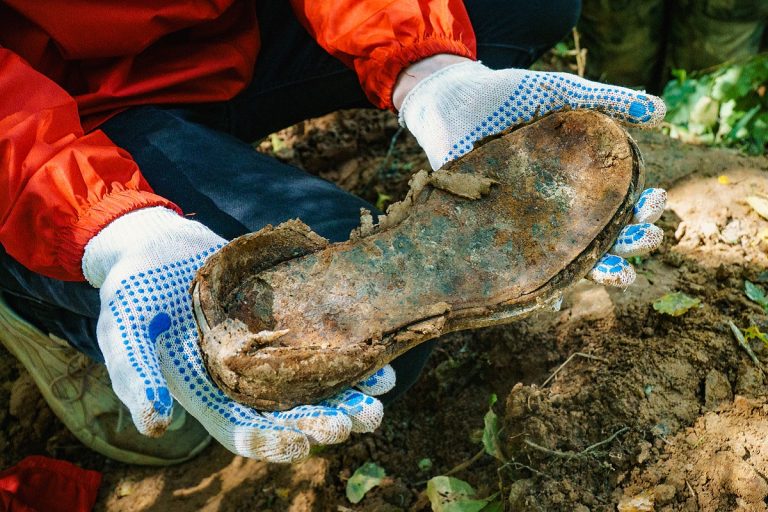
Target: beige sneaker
79, 392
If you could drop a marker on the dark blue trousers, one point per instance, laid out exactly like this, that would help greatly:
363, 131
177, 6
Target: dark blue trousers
199, 156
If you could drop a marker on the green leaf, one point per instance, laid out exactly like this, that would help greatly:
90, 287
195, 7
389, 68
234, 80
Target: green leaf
561, 49
704, 114
365, 478
753, 331
738, 129
491, 431
681, 97
448, 494
728, 105
756, 294
495, 506
382, 200
277, 143
675, 304
425, 464
739, 80
680, 74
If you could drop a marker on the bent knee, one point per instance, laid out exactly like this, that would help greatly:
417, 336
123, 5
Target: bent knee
535, 25
561, 16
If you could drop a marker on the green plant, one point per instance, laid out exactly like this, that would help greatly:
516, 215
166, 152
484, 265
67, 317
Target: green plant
365, 478
448, 494
675, 304
728, 105
754, 332
756, 294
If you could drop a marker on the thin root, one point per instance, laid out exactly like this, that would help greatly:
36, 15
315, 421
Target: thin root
580, 354
460, 467
574, 455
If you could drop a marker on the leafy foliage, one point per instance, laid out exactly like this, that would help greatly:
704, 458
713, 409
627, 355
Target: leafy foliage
756, 294
448, 494
728, 105
675, 304
425, 464
365, 478
491, 431
754, 332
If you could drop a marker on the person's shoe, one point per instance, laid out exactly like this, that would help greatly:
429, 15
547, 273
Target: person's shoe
79, 392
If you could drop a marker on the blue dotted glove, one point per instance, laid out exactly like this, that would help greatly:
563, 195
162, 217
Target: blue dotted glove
143, 264
640, 237
455, 107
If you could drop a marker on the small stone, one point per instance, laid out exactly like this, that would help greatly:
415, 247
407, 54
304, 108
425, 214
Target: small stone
708, 230
640, 503
677, 480
124, 489
518, 491
717, 390
732, 232
664, 493
750, 381
645, 452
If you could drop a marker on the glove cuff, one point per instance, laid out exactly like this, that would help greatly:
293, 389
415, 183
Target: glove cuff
433, 86
442, 108
147, 230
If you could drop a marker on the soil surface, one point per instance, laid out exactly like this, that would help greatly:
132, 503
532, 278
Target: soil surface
605, 405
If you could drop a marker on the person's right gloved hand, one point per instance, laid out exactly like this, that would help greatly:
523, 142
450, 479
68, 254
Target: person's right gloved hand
143, 264
459, 104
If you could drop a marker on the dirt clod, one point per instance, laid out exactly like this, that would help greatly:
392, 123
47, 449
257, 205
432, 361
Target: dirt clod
717, 390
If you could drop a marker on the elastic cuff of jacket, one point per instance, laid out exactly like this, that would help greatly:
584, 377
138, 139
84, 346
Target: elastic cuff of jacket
383, 81
75, 237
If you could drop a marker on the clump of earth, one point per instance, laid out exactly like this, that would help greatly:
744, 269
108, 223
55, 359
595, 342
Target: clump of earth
649, 411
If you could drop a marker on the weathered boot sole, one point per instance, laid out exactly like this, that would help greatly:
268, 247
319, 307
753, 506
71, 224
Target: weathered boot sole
286, 318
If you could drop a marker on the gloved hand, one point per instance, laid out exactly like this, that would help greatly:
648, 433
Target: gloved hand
143, 264
451, 109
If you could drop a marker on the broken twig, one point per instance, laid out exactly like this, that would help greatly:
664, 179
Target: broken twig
743, 343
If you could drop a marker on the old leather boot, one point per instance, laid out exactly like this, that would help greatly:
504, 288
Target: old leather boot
287, 318
79, 392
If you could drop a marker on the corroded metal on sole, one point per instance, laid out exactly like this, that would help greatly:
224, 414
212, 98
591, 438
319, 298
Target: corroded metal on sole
286, 318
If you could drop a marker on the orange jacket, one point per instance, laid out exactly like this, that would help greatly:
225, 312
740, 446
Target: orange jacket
68, 65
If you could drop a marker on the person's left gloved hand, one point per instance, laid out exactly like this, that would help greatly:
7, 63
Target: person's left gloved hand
453, 108
143, 264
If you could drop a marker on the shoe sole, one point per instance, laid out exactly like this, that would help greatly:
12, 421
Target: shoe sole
286, 318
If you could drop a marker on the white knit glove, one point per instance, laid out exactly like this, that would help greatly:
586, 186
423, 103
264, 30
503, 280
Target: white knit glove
143, 264
453, 108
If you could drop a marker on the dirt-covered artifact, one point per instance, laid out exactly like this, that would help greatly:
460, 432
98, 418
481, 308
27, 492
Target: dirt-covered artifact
287, 318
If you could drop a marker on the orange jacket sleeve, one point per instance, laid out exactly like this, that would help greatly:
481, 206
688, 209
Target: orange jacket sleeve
58, 186
378, 38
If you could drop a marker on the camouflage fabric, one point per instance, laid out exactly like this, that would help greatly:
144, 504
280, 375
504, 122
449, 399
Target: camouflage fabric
623, 40
637, 42
704, 33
